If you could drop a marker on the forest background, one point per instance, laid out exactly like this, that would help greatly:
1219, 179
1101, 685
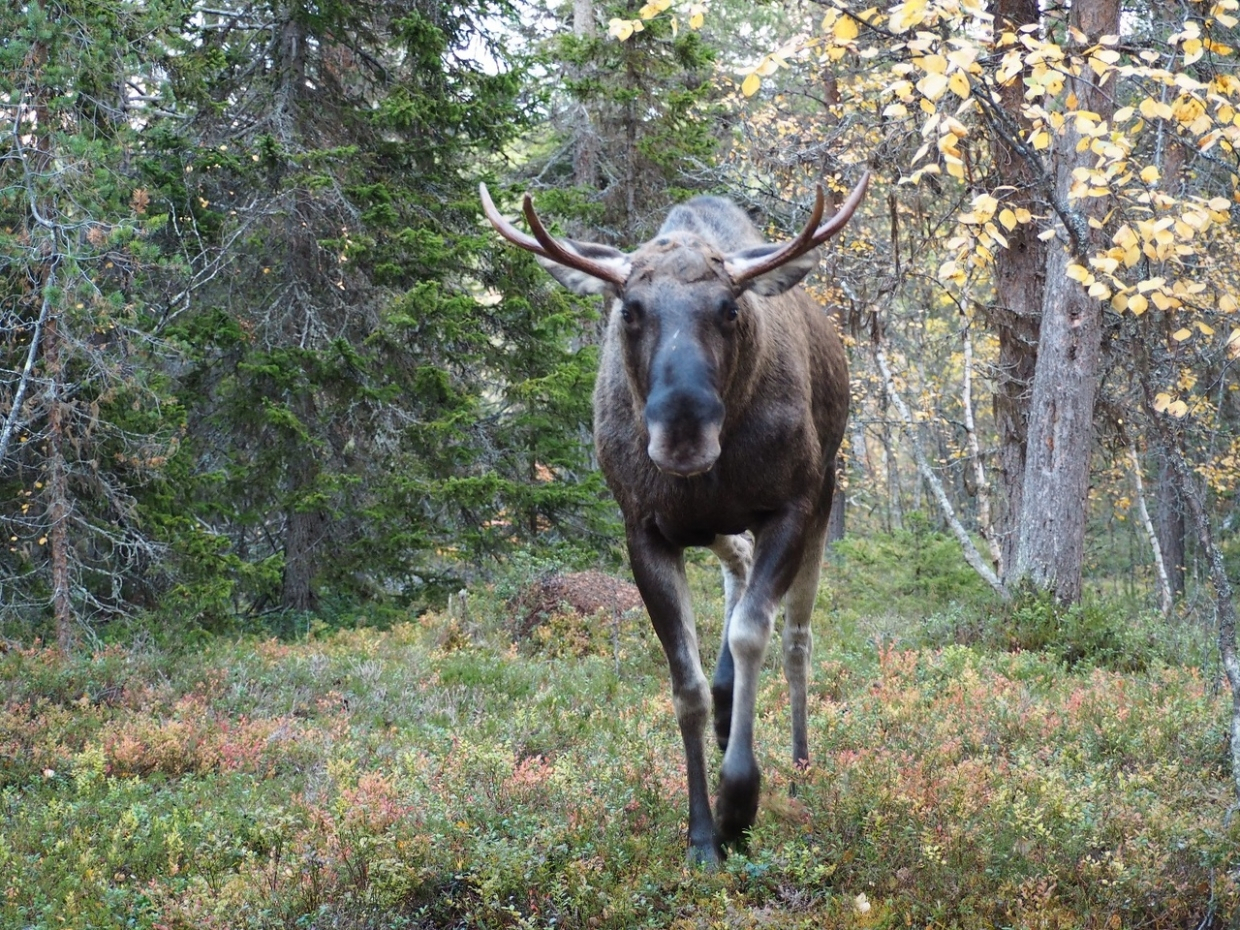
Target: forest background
265, 371
261, 356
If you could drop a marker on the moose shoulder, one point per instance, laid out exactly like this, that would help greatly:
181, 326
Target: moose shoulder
720, 405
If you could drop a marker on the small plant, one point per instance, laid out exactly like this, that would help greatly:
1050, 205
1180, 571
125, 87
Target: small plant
1096, 632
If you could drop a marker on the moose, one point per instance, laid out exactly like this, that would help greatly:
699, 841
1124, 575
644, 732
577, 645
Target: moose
720, 404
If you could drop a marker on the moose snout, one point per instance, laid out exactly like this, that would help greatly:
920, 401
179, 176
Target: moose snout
684, 431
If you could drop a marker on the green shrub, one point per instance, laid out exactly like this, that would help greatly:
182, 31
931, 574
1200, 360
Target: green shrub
1102, 632
908, 573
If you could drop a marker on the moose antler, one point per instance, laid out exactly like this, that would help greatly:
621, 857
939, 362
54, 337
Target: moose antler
543, 243
812, 235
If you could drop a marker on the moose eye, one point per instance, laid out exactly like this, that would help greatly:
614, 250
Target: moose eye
729, 311
630, 312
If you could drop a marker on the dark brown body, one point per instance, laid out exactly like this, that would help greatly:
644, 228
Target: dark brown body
720, 405
787, 404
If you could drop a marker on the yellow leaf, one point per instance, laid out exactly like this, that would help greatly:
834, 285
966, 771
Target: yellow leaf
1078, 272
1233, 343
1204, 328
932, 86
697, 20
1227, 304
1161, 401
42, 540
1099, 291
1040, 139
1150, 174
1177, 408
1138, 304
620, 28
1192, 50
958, 84
1153, 109
1181, 334
751, 85
933, 64
1008, 219
845, 29
984, 206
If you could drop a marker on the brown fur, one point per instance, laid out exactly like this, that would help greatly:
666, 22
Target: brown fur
786, 401
720, 405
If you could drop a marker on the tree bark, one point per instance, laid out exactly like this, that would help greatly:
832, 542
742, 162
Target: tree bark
1020, 272
982, 483
971, 555
1170, 526
305, 527
302, 536
835, 522
1160, 564
1193, 494
1051, 537
59, 505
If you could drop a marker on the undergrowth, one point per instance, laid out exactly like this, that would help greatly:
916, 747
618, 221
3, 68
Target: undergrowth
974, 770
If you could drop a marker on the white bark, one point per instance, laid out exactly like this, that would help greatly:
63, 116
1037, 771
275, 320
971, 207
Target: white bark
971, 555
985, 527
1160, 566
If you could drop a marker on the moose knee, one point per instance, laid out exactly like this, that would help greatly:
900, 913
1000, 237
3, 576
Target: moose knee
692, 703
747, 638
798, 645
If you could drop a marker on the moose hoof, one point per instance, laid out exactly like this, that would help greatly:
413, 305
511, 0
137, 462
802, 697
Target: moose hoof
736, 807
708, 857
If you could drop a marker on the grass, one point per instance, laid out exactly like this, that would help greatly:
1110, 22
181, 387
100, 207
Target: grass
426, 776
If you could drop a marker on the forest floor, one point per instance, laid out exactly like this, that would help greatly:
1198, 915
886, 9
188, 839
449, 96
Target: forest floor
440, 774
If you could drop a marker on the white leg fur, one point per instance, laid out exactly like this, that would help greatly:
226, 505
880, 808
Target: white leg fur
799, 643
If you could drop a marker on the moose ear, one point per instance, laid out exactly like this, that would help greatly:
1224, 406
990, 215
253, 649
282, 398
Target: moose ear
774, 282
579, 282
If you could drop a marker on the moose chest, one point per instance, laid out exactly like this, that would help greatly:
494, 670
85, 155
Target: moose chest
759, 472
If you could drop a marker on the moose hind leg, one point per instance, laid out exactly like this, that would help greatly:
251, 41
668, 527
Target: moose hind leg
778, 554
798, 644
735, 555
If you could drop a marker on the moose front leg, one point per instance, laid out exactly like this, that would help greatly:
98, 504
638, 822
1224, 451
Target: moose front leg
659, 570
777, 561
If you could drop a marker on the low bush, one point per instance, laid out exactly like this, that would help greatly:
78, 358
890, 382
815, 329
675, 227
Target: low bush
396, 778
1109, 633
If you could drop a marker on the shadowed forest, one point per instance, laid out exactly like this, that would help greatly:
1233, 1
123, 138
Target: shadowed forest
314, 608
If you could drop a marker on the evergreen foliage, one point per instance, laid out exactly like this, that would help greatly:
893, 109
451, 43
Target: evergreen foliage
293, 368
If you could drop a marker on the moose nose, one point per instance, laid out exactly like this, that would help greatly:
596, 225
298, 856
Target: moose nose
684, 430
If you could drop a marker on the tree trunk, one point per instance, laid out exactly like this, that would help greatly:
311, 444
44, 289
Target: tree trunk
1170, 526
586, 149
835, 523
302, 536
1051, 536
59, 505
304, 531
1020, 271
